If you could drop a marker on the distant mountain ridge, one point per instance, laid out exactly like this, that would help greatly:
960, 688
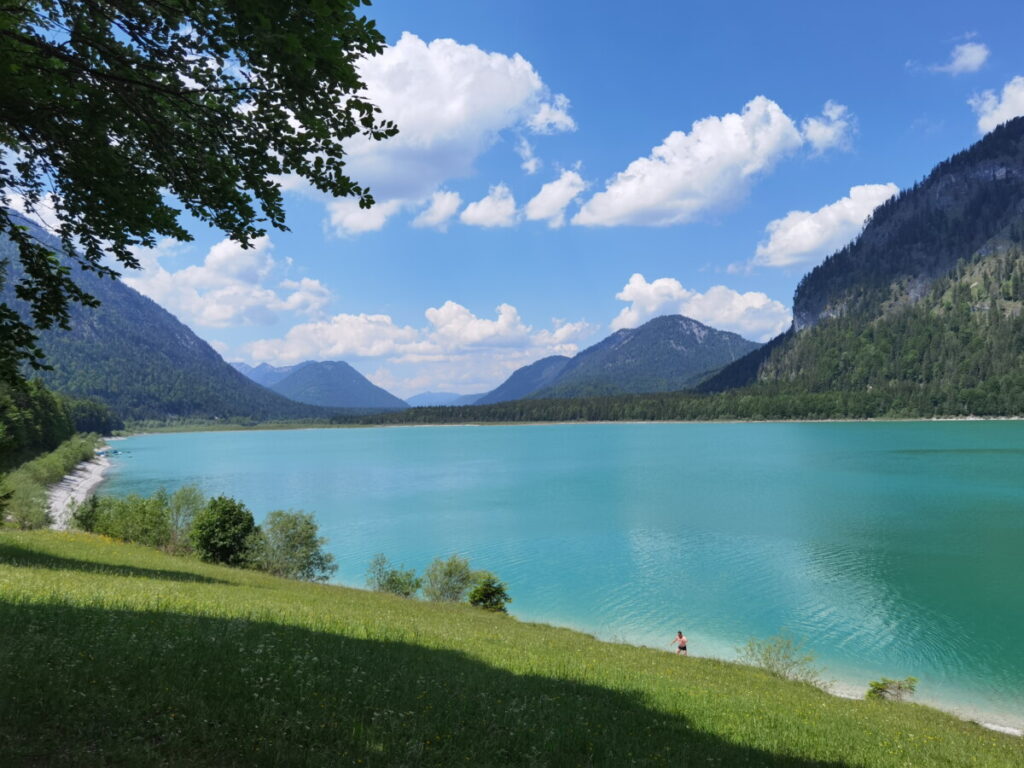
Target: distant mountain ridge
665, 354
332, 384
428, 399
264, 374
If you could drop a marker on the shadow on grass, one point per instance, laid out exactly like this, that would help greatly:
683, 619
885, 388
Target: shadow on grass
21, 556
85, 686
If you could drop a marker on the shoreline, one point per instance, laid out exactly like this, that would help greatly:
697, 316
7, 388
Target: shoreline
847, 690
76, 487
196, 429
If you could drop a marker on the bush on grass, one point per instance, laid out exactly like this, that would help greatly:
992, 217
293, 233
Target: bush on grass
782, 656
185, 504
288, 544
447, 581
888, 689
489, 593
382, 577
221, 531
140, 519
162, 520
26, 506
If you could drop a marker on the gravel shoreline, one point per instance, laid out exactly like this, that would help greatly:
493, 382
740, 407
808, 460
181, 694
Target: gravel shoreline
75, 487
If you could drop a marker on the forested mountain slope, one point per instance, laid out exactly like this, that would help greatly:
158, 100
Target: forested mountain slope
333, 384
526, 380
969, 204
140, 360
665, 354
925, 303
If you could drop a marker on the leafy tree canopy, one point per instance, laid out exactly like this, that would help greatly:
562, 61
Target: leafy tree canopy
118, 115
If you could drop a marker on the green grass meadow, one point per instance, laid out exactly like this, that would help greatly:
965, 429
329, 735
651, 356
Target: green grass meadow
115, 654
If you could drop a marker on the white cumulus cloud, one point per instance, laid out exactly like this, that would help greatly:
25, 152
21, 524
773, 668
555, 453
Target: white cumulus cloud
964, 58
347, 218
752, 314
443, 205
497, 209
531, 163
800, 237
342, 335
229, 288
689, 173
451, 103
455, 350
995, 110
550, 202
553, 116
829, 131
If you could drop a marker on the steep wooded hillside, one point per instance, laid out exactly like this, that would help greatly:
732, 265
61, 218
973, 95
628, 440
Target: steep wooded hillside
136, 357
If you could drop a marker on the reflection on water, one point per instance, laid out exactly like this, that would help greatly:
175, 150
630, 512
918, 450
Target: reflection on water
892, 549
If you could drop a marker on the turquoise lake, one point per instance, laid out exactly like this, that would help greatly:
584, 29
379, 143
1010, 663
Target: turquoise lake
891, 549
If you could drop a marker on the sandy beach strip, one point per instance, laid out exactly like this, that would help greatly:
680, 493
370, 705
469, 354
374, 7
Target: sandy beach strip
75, 487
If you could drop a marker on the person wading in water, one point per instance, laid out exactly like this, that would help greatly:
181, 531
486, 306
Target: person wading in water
679, 641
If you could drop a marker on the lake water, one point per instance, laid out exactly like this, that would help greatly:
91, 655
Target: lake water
892, 549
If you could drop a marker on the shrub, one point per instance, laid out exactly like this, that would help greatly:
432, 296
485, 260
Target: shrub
23, 499
26, 506
221, 531
288, 545
447, 580
381, 577
140, 519
185, 503
87, 514
888, 689
489, 593
783, 657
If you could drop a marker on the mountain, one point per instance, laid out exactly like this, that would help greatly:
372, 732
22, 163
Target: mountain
136, 357
426, 399
526, 380
924, 308
332, 384
664, 354
265, 374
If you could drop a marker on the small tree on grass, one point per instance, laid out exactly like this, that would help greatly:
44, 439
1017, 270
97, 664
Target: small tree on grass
782, 656
183, 506
220, 532
381, 577
29, 511
489, 593
288, 544
87, 514
447, 581
888, 689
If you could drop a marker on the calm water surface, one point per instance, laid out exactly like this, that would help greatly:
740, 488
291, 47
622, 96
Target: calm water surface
892, 549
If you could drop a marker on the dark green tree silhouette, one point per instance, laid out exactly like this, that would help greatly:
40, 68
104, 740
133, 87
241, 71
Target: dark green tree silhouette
117, 117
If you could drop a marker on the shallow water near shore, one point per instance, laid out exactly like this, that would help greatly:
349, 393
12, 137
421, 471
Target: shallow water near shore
891, 549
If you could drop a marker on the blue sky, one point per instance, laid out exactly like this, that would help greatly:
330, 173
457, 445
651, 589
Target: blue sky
699, 158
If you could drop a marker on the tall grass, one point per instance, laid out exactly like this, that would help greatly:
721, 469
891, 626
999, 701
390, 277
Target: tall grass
114, 654
26, 506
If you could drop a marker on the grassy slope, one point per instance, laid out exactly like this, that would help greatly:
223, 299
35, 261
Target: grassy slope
115, 654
